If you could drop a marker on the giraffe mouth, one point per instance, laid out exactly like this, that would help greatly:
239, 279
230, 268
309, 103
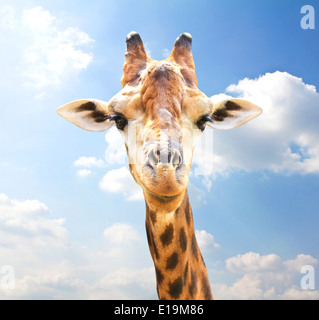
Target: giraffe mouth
163, 204
164, 183
163, 199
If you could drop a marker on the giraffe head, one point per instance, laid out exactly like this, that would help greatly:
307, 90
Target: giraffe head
160, 113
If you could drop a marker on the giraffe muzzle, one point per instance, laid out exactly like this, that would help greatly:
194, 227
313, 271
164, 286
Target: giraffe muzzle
171, 158
164, 172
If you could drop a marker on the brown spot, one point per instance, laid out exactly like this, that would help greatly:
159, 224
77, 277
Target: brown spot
183, 240
194, 247
188, 212
151, 242
176, 288
159, 276
206, 290
172, 261
155, 250
185, 273
193, 286
167, 236
149, 237
152, 216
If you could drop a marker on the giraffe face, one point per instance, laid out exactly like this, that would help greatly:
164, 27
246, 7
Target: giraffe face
160, 113
160, 119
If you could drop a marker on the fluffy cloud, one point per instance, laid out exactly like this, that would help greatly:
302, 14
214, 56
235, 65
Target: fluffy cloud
254, 262
284, 139
54, 52
121, 181
82, 173
120, 234
85, 163
45, 52
266, 277
33, 243
206, 241
30, 219
89, 162
48, 266
115, 153
127, 283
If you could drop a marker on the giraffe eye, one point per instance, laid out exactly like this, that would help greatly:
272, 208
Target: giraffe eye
120, 121
202, 122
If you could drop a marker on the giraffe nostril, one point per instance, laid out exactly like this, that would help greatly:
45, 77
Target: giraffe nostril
153, 157
176, 159
172, 158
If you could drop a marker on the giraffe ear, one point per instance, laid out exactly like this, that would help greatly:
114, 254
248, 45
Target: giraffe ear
91, 115
233, 113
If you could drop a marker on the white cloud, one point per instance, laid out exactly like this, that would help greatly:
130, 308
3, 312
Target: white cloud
124, 276
266, 277
46, 53
89, 162
121, 181
48, 266
37, 19
82, 173
120, 234
7, 17
115, 152
196, 195
252, 262
206, 241
30, 219
127, 283
284, 139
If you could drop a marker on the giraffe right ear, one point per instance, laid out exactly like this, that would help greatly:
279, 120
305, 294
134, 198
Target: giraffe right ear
91, 115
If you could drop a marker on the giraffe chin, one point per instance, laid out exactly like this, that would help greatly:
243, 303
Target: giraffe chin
165, 192
163, 204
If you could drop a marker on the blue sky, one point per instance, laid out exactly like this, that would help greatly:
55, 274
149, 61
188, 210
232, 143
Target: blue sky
72, 221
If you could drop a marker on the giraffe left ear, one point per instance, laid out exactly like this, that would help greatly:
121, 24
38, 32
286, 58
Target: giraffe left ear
90, 115
233, 113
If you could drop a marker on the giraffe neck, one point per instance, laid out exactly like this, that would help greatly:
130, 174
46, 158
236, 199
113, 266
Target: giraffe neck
180, 269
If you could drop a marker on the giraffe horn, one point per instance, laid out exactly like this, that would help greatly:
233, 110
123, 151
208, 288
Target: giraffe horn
182, 55
134, 44
182, 51
135, 58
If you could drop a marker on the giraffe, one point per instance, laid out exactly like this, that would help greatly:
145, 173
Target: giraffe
160, 112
